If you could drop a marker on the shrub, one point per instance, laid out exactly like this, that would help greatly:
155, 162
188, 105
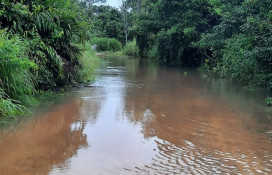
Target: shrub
240, 62
131, 49
102, 44
114, 45
107, 44
153, 53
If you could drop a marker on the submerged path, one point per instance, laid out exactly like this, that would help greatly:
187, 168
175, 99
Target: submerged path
143, 118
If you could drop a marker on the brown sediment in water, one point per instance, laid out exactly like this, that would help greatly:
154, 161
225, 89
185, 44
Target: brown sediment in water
140, 118
210, 125
36, 146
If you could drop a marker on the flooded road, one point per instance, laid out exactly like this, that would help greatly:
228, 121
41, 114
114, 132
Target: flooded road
143, 118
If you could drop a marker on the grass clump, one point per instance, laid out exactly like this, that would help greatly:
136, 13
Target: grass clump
15, 68
153, 53
89, 63
10, 107
131, 49
15, 76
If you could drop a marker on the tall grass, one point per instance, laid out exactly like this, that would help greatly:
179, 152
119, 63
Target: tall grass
153, 52
131, 49
89, 63
10, 107
16, 83
15, 67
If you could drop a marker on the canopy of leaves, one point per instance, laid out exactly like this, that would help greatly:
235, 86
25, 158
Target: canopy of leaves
173, 26
108, 22
231, 38
240, 46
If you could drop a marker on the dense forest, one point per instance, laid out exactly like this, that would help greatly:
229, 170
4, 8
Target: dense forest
231, 39
47, 43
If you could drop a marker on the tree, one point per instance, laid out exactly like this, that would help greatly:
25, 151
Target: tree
124, 11
170, 27
108, 22
240, 46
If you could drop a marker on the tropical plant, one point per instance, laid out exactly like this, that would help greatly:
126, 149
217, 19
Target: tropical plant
37, 47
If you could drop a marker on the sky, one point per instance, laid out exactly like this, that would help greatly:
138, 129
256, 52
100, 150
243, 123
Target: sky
114, 3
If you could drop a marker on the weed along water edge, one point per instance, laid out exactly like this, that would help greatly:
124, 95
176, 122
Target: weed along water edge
143, 118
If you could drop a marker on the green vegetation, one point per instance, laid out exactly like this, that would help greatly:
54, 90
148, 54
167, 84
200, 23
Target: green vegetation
108, 22
131, 49
90, 62
43, 42
9, 107
168, 33
268, 101
239, 46
107, 44
15, 68
16, 81
39, 49
231, 39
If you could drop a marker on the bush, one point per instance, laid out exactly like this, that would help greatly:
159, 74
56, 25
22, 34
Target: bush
102, 44
131, 49
240, 62
114, 45
107, 44
153, 53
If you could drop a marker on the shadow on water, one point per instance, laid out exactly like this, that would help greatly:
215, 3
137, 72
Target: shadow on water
140, 117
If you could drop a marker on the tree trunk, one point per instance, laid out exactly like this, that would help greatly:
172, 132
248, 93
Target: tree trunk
138, 6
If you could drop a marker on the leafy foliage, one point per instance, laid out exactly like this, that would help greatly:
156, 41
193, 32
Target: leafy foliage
15, 68
169, 31
230, 38
10, 107
107, 44
37, 50
240, 45
268, 101
90, 62
108, 22
131, 49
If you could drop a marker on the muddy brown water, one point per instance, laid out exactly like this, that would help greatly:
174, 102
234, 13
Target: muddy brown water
143, 118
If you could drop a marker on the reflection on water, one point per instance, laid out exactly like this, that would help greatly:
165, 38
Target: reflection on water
35, 146
143, 118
